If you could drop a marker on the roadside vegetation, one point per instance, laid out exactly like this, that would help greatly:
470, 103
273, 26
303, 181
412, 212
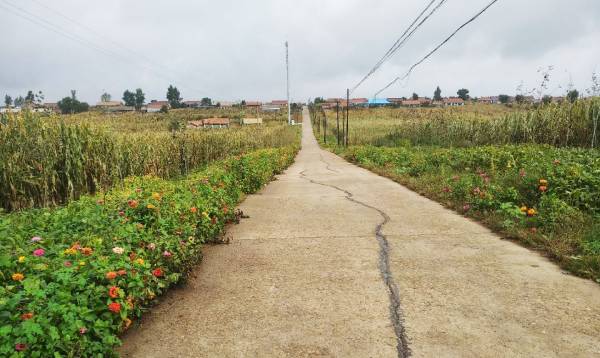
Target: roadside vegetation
529, 173
48, 160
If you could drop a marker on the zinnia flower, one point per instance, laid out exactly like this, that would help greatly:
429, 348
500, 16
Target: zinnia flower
39, 252
21, 259
523, 209
20, 347
132, 204
122, 272
68, 264
70, 251
167, 254
531, 212
156, 196
466, 207
87, 251
157, 272
18, 276
225, 210
121, 213
114, 307
26, 316
194, 210
543, 182
113, 292
139, 261
83, 330
118, 250
111, 275
36, 239
543, 188
151, 246
150, 206
81, 263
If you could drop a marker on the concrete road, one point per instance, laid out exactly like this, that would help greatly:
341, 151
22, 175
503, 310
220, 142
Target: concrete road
335, 261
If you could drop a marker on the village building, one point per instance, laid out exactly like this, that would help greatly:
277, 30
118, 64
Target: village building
155, 106
453, 102
209, 123
251, 121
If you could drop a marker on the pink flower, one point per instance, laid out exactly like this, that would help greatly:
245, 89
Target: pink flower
83, 330
39, 252
19, 347
467, 207
167, 254
68, 264
36, 239
118, 250
151, 246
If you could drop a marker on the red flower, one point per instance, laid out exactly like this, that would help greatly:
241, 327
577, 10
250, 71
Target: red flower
158, 272
20, 347
111, 275
26, 316
194, 210
113, 292
114, 307
133, 204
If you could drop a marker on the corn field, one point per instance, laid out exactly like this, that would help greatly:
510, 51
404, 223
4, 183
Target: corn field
561, 125
46, 161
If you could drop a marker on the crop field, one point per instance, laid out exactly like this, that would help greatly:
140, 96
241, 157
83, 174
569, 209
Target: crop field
105, 213
529, 173
50, 160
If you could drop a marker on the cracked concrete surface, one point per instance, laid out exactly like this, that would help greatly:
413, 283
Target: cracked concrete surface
302, 278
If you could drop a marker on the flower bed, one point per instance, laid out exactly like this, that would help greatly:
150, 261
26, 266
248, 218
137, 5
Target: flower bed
73, 278
544, 196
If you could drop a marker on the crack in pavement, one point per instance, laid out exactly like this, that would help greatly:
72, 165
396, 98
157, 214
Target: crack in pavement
396, 315
327, 165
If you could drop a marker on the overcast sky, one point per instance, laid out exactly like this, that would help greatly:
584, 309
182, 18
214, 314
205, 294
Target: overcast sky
231, 50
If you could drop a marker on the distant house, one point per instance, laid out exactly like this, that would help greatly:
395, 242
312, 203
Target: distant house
108, 104
378, 102
155, 106
52, 107
281, 103
10, 109
226, 104
192, 104
358, 101
453, 102
270, 108
411, 103
209, 123
489, 100
251, 121
396, 101
254, 104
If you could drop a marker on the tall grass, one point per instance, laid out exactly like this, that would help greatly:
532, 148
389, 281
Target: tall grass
44, 161
561, 125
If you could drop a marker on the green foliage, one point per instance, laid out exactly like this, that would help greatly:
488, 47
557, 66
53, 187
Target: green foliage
45, 161
174, 97
106, 97
71, 105
573, 95
8, 101
129, 98
463, 93
207, 102
415, 96
504, 99
437, 95
139, 99
72, 279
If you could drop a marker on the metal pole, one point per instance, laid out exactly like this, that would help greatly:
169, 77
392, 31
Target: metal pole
337, 116
287, 69
324, 126
347, 113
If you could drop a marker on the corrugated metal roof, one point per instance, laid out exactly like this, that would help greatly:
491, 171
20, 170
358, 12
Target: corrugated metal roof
378, 101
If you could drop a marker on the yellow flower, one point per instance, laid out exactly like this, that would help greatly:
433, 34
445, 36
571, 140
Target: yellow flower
205, 213
531, 212
150, 206
156, 196
139, 261
70, 251
18, 276
81, 263
523, 209
543, 182
21, 259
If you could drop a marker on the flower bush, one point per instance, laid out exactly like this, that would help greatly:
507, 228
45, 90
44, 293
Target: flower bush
547, 197
73, 278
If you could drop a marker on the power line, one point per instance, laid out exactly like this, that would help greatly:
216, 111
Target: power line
402, 40
436, 48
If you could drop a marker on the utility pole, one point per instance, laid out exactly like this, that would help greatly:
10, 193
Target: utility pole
287, 69
347, 113
337, 116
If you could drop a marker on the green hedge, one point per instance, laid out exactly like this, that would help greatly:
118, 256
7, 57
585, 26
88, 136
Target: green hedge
73, 278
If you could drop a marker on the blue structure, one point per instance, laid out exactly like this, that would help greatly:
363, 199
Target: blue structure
378, 102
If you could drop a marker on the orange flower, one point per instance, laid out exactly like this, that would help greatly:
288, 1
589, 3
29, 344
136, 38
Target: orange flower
194, 210
122, 272
18, 276
114, 307
26, 316
86, 251
225, 210
133, 204
113, 292
523, 209
156, 196
531, 212
111, 275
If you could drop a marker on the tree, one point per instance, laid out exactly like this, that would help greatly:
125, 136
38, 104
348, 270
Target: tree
437, 95
105, 97
520, 99
415, 96
129, 98
164, 109
8, 101
72, 105
206, 102
463, 93
547, 99
30, 98
39, 97
573, 95
504, 99
319, 100
174, 97
19, 101
139, 99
